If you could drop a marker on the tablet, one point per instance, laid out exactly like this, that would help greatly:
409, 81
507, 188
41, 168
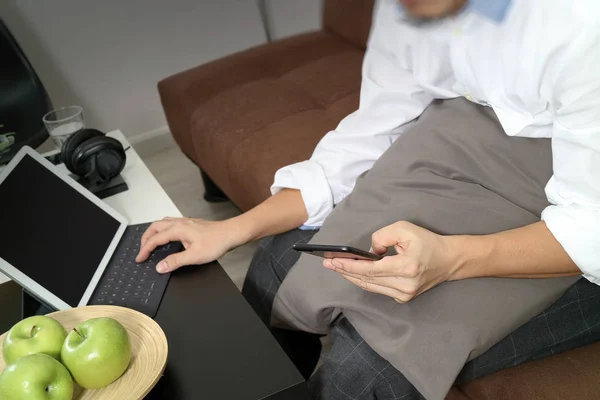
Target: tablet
56, 237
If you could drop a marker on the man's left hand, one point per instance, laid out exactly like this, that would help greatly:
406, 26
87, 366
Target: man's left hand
424, 260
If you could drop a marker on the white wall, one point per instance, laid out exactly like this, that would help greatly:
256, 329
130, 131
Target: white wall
289, 17
109, 55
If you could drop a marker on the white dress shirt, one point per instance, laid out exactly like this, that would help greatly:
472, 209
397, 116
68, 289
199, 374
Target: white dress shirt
539, 69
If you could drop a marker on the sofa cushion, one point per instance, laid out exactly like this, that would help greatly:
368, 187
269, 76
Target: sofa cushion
185, 92
242, 132
570, 375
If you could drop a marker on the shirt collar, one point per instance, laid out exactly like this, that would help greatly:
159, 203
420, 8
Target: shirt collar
495, 10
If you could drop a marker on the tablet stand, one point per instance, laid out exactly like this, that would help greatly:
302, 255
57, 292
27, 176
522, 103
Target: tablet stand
30, 305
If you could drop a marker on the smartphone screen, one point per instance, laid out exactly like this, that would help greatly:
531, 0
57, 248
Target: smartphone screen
336, 251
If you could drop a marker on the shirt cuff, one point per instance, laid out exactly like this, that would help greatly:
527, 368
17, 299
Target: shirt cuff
308, 177
576, 229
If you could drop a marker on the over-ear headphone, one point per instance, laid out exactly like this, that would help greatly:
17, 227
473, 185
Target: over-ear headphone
93, 156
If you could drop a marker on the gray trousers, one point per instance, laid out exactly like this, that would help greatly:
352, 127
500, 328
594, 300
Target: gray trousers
353, 370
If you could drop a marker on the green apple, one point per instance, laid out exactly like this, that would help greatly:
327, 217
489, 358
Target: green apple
97, 352
36, 377
37, 334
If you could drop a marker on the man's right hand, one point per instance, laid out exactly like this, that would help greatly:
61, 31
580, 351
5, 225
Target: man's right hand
204, 241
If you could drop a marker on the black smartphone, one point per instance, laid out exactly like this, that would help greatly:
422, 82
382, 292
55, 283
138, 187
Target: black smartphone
335, 251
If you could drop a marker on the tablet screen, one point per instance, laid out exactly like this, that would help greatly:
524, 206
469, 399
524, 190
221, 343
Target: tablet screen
50, 232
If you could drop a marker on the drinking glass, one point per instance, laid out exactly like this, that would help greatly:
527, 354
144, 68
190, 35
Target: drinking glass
63, 122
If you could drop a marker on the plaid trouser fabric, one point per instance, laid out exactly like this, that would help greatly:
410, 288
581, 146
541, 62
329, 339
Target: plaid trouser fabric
352, 370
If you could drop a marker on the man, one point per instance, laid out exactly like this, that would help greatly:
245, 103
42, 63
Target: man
475, 153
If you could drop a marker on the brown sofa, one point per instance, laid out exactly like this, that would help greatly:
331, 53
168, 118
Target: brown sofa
243, 117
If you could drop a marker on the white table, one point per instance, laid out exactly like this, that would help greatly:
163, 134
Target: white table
145, 200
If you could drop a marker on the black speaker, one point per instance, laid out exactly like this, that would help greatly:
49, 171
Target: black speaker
23, 100
93, 156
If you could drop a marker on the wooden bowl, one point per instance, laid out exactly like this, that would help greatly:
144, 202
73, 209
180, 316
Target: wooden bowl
148, 351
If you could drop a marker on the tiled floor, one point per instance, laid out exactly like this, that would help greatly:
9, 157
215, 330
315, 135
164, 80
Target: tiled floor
181, 180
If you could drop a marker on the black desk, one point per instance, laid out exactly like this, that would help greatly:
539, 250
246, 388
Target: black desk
218, 348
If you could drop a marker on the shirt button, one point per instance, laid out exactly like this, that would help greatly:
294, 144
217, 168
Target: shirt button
457, 31
469, 97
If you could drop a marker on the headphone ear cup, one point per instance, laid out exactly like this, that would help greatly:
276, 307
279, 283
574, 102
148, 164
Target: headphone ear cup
110, 163
103, 156
73, 142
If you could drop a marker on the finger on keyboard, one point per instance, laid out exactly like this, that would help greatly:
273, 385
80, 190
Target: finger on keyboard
153, 242
153, 229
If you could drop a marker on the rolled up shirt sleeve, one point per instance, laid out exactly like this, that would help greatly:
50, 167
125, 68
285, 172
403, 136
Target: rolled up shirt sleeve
390, 99
574, 189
